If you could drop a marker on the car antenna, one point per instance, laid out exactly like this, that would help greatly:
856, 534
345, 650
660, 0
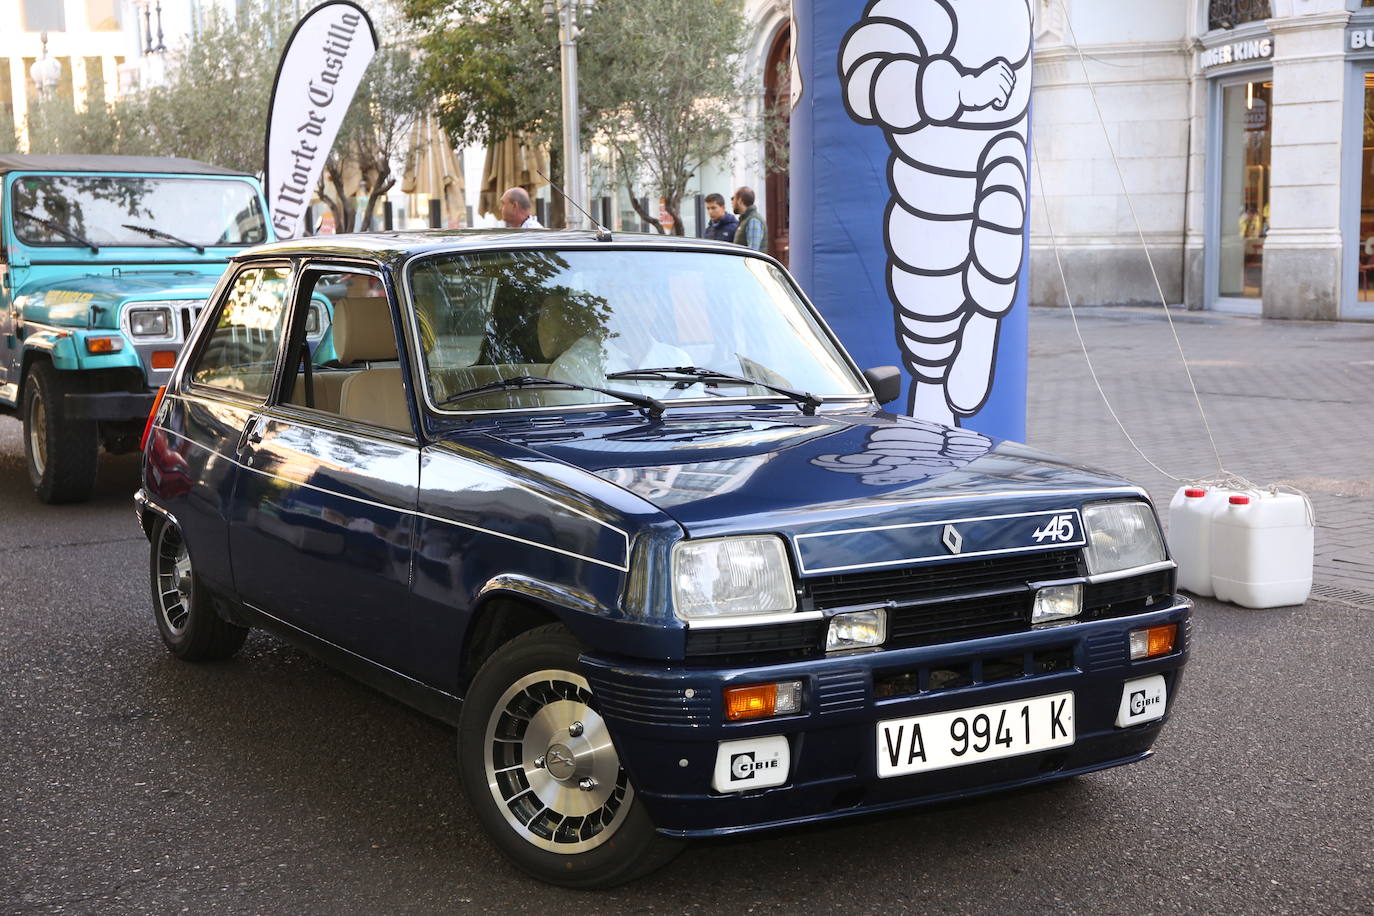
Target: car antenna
602, 233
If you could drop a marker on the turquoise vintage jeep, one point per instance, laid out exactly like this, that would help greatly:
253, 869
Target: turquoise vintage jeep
105, 262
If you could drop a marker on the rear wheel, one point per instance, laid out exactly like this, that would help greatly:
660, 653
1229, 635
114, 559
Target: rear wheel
61, 452
541, 772
185, 612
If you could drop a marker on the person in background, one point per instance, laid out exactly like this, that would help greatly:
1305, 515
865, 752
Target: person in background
515, 209
722, 224
752, 231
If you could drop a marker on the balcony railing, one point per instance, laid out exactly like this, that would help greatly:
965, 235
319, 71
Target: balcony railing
1227, 14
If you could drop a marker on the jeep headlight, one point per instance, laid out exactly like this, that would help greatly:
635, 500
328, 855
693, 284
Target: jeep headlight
150, 322
313, 322
732, 576
1122, 534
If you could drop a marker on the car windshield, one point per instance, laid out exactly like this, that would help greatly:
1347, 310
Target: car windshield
592, 316
118, 210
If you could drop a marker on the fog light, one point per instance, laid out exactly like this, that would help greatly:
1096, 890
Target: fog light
856, 630
758, 701
1056, 602
104, 345
1154, 641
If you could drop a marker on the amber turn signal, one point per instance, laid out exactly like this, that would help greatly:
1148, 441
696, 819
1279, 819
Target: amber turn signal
152, 415
164, 359
758, 701
1154, 641
98, 345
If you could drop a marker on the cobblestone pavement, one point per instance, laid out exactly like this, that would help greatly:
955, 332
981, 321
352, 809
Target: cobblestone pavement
1288, 402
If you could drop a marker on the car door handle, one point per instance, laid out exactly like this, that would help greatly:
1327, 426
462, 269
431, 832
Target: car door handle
252, 433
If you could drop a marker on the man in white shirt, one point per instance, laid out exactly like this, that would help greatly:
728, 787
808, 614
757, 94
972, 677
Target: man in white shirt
515, 209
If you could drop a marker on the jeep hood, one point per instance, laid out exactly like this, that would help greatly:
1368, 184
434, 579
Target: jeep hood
70, 300
775, 470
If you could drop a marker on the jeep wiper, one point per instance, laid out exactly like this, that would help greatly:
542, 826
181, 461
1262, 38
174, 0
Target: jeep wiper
159, 234
808, 401
652, 406
59, 229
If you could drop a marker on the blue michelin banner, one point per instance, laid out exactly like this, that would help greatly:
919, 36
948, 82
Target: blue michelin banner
909, 220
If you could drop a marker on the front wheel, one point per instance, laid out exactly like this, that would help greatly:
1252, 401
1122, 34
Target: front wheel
61, 452
185, 612
542, 774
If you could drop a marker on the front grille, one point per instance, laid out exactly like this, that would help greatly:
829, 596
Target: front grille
942, 580
774, 642
1122, 597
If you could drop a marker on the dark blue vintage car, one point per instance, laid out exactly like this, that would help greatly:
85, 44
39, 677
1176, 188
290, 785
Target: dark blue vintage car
625, 513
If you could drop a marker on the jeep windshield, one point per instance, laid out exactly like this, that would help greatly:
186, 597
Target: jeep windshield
672, 325
110, 211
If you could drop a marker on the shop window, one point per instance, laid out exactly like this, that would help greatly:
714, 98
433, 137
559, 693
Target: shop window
44, 16
1244, 203
1227, 14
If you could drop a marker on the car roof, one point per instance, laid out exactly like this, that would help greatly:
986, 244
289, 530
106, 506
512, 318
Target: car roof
400, 246
21, 162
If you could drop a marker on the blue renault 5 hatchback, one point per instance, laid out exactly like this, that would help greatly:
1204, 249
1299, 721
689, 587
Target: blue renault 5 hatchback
625, 512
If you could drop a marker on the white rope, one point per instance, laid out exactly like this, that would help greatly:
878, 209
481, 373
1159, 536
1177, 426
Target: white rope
1223, 479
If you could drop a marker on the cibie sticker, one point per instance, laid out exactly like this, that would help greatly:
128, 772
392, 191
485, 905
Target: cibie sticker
754, 763
1142, 700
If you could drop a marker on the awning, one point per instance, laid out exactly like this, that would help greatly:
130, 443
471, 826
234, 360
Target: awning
434, 170
511, 163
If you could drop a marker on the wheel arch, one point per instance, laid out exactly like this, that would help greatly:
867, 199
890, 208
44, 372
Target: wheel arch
508, 606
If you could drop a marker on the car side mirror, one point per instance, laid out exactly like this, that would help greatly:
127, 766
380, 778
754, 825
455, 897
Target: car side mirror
886, 382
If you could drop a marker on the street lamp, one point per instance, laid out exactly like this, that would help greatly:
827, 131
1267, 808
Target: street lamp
46, 72
565, 13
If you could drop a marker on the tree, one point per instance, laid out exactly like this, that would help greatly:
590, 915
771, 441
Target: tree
666, 105
660, 82
373, 134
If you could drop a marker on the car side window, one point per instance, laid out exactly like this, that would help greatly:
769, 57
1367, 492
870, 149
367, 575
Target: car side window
241, 352
344, 358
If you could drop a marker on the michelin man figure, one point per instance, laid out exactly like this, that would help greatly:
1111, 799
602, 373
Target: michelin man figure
948, 81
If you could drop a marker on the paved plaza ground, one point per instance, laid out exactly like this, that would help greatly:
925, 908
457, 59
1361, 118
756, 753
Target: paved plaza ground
1288, 402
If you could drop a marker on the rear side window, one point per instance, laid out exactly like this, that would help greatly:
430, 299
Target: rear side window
241, 353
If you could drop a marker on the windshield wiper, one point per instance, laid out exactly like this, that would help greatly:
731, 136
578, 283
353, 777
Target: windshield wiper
59, 229
652, 406
808, 401
159, 234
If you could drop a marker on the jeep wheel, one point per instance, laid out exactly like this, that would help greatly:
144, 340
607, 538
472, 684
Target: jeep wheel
61, 453
185, 612
542, 775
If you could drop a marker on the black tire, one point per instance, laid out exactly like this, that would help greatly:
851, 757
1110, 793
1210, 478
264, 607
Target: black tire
61, 452
185, 611
525, 692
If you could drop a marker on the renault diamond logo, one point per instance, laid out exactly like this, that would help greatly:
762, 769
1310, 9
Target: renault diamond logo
952, 539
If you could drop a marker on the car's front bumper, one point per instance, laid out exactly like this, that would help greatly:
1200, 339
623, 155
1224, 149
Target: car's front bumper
668, 722
109, 405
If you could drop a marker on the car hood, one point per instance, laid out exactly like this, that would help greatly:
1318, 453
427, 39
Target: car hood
69, 300
811, 477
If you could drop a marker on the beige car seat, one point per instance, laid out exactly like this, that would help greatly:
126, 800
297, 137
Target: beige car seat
363, 333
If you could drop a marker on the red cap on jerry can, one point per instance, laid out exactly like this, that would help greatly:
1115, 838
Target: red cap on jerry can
1239, 500
1194, 492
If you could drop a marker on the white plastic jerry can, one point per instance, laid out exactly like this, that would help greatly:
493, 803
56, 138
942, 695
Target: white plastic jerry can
1190, 536
1262, 549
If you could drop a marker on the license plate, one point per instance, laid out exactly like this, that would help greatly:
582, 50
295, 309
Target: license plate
963, 736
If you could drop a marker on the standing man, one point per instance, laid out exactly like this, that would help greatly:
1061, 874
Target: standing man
515, 209
722, 225
752, 231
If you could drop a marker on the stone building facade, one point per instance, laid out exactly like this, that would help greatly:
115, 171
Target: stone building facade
1239, 130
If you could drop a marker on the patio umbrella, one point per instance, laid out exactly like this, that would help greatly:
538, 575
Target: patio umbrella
510, 163
433, 169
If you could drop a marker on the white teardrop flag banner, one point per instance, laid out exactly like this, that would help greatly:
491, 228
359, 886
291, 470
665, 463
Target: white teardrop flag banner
321, 67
